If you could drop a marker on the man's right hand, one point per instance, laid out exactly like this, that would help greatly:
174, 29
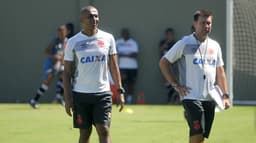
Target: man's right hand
58, 57
182, 90
69, 106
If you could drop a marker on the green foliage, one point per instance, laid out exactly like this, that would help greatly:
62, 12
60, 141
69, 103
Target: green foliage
147, 124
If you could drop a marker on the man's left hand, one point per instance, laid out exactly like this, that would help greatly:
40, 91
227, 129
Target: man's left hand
121, 101
226, 103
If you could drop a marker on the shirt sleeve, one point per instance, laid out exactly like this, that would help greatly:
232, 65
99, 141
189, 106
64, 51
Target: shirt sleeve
112, 48
175, 52
136, 48
219, 57
69, 54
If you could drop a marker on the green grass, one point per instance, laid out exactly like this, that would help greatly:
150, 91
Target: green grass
148, 124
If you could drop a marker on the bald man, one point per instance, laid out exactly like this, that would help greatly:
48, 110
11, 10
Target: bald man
89, 56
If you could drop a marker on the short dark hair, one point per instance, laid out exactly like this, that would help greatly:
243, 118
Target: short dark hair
70, 27
169, 30
203, 13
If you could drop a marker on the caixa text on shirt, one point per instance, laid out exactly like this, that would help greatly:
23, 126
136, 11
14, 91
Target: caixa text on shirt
90, 59
201, 61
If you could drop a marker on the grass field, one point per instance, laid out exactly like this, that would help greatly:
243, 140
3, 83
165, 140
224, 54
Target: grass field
148, 124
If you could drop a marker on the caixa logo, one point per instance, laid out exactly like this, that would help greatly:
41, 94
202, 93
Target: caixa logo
199, 61
91, 59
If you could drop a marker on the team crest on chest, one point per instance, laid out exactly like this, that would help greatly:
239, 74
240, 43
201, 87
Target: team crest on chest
100, 43
211, 51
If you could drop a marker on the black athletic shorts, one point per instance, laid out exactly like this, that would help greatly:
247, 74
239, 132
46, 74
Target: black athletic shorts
91, 109
128, 75
200, 116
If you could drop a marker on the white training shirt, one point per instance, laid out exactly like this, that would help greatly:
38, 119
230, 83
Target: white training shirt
190, 61
127, 47
90, 54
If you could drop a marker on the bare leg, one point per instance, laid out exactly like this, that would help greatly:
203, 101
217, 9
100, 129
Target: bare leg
41, 90
85, 135
103, 133
48, 81
197, 139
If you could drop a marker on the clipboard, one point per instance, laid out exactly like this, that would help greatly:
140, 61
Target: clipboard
216, 95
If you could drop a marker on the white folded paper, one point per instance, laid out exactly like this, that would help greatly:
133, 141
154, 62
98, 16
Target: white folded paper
216, 95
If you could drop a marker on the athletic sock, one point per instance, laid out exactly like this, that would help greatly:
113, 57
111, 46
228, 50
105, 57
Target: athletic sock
40, 91
59, 92
59, 88
58, 96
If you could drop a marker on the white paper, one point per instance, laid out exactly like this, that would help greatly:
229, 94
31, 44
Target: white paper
216, 95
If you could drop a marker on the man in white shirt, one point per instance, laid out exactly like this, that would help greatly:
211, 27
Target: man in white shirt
128, 64
89, 56
200, 67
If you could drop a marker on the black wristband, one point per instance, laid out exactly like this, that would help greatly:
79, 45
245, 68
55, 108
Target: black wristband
121, 90
225, 95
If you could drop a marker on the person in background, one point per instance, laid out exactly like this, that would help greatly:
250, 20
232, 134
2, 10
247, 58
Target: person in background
71, 29
168, 41
53, 66
59, 87
164, 45
128, 62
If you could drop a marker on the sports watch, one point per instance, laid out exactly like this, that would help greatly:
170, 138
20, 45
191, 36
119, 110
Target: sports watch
225, 95
121, 90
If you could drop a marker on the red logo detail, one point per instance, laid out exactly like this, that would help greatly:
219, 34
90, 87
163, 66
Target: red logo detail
101, 43
211, 51
79, 120
196, 125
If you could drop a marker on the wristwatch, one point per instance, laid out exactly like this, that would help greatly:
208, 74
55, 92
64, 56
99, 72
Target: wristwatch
121, 90
225, 95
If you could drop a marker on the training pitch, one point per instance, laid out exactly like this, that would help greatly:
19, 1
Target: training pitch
138, 124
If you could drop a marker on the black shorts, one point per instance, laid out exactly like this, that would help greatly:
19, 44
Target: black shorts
200, 116
128, 75
91, 109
